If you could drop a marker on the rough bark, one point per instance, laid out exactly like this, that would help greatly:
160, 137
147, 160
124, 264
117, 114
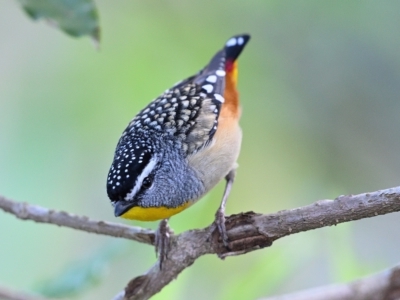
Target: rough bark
246, 231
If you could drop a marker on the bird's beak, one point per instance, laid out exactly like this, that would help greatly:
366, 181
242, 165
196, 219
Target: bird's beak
122, 207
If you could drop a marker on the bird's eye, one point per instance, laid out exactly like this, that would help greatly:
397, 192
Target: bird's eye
147, 183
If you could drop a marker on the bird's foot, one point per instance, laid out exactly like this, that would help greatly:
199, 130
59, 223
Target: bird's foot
162, 241
220, 222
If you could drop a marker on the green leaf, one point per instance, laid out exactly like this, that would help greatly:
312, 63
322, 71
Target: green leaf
75, 17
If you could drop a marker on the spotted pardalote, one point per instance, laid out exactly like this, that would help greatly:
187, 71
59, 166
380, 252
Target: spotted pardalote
182, 144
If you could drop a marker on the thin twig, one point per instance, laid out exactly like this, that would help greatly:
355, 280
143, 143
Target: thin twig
25, 211
8, 294
384, 285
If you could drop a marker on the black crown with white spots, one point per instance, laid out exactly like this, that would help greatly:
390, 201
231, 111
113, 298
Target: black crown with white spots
132, 155
187, 114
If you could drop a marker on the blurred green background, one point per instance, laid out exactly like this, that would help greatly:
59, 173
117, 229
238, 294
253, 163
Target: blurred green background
320, 86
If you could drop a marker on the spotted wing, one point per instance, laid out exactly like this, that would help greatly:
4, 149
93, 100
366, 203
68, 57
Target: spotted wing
189, 110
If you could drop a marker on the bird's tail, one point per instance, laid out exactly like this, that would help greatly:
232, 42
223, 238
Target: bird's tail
224, 64
233, 48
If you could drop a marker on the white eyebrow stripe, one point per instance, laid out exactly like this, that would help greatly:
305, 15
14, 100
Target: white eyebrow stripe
146, 171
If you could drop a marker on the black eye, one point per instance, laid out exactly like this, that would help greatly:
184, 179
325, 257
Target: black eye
147, 183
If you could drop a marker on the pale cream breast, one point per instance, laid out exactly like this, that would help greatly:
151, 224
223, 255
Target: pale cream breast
215, 161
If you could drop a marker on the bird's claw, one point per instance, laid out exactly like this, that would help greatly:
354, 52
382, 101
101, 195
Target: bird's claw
162, 241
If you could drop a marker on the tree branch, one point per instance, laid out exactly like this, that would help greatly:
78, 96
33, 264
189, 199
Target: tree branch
251, 231
381, 286
246, 231
25, 211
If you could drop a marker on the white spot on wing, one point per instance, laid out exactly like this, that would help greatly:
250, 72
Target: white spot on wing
240, 41
212, 78
219, 98
208, 87
231, 42
220, 73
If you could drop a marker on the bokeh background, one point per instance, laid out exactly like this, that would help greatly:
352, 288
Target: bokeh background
320, 86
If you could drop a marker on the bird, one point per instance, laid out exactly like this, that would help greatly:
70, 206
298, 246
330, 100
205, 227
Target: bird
180, 146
